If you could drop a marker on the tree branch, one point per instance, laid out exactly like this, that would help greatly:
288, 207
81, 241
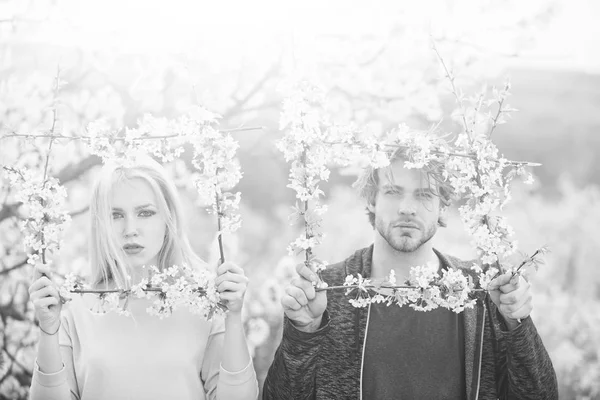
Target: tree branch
14, 267
67, 174
238, 107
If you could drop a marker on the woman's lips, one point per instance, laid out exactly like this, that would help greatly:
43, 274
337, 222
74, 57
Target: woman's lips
133, 248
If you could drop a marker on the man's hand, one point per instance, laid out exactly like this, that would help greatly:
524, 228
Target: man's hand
301, 303
512, 296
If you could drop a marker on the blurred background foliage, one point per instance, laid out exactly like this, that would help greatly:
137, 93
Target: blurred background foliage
121, 59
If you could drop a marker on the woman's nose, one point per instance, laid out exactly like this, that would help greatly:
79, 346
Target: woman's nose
130, 228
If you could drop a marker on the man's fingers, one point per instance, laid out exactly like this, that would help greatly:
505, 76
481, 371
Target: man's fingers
305, 286
298, 294
499, 281
517, 311
519, 284
307, 273
289, 303
508, 298
507, 283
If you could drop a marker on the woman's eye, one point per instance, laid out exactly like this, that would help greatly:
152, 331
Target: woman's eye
117, 215
146, 213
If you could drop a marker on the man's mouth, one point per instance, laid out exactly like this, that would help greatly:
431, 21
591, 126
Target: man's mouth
133, 248
407, 225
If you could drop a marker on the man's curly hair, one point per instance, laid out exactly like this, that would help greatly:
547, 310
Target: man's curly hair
367, 183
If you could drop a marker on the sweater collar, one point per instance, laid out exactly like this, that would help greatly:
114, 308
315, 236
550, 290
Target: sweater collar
362, 260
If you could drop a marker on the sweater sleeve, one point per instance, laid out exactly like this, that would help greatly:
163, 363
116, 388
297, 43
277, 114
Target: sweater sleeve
220, 383
524, 369
292, 374
60, 385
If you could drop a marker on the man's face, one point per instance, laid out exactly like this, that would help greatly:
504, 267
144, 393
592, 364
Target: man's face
407, 207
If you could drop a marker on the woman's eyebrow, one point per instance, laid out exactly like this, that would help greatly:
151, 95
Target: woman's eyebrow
145, 206
137, 208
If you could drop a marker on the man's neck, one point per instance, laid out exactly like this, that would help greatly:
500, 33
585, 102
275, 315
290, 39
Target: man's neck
385, 258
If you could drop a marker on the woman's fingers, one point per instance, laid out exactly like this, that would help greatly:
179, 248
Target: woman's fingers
231, 296
39, 284
231, 277
46, 291
41, 270
229, 267
45, 302
230, 286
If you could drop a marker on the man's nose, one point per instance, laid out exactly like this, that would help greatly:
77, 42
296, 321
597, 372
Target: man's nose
407, 206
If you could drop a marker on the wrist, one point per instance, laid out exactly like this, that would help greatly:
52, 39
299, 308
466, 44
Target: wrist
233, 315
510, 323
51, 330
309, 327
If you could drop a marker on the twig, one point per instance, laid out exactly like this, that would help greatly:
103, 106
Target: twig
79, 212
14, 267
541, 250
85, 137
495, 119
454, 91
102, 291
376, 287
220, 234
473, 156
307, 234
239, 104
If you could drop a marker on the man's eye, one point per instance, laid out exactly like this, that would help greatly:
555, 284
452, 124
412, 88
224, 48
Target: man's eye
146, 213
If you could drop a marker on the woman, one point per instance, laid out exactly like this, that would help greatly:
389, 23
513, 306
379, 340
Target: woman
136, 222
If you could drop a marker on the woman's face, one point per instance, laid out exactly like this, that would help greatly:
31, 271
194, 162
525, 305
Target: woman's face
138, 224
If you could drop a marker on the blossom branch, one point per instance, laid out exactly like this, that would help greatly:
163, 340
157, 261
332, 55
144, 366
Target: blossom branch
117, 139
532, 259
219, 228
374, 287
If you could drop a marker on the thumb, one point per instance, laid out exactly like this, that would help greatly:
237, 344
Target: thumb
41, 270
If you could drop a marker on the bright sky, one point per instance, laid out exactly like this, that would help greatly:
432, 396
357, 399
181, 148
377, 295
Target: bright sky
572, 41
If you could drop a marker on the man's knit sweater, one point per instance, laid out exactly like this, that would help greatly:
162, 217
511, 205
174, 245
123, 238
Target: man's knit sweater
327, 364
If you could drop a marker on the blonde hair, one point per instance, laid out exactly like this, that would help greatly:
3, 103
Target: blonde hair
106, 256
367, 183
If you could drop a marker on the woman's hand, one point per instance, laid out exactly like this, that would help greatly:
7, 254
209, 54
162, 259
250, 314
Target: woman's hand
231, 284
46, 300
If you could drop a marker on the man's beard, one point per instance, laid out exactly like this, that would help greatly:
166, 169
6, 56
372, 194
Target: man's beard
405, 243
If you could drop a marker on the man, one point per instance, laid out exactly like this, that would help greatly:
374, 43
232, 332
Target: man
331, 350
